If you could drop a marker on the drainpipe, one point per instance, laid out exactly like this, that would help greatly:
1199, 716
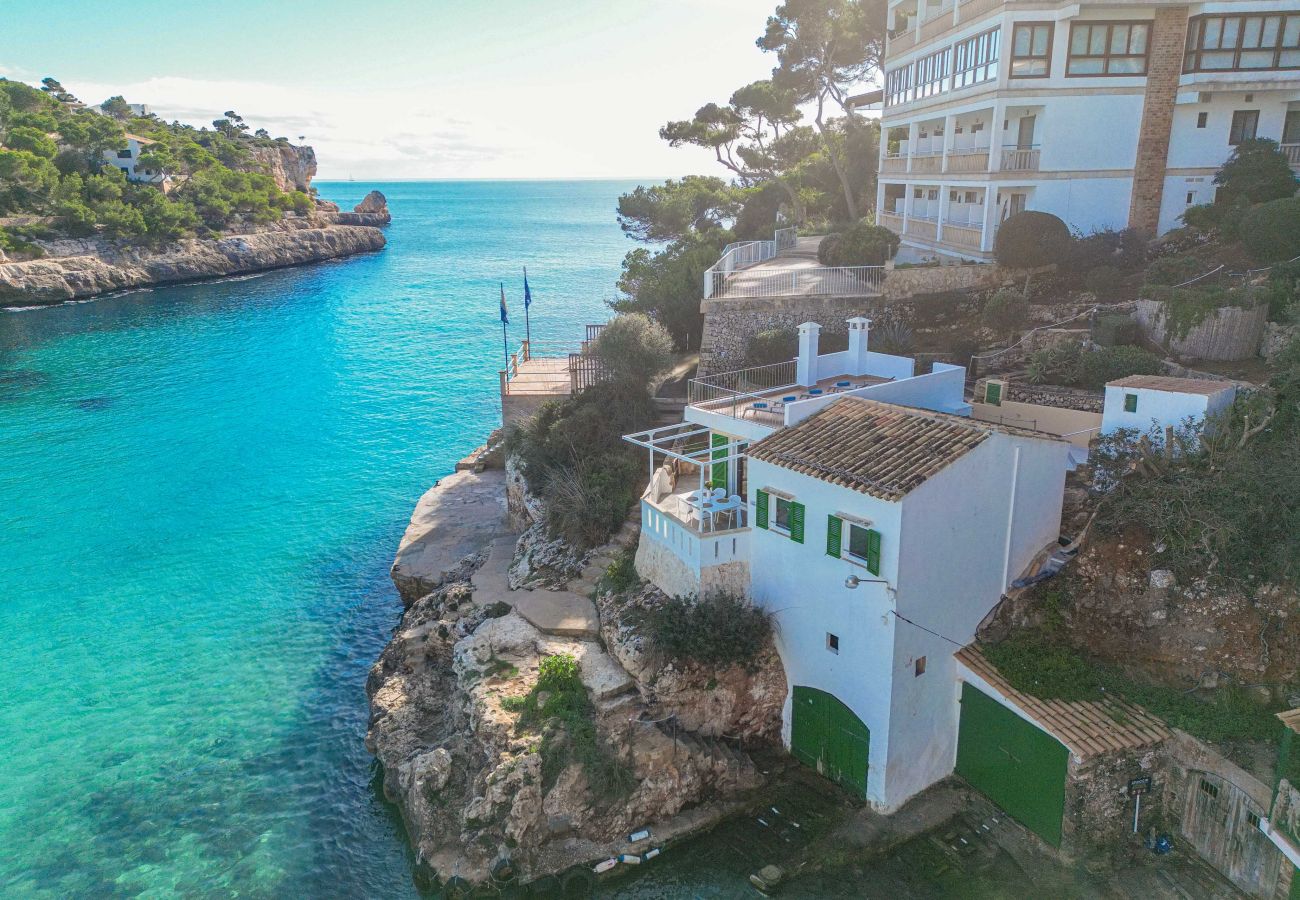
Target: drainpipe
806, 364
1011, 515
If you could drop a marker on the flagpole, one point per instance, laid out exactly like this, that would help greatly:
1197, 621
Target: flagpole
505, 341
528, 331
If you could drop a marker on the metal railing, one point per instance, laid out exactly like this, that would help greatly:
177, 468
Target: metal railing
730, 392
927, 163
1020, 159
971, 160
892, 221
831, 281
1292, 153
785, 238
743, 254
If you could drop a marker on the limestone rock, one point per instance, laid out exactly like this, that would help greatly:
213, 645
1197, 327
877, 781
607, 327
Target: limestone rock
292, 167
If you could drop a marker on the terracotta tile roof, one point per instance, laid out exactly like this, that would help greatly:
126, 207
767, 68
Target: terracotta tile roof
1174, 385
1086, 727
879, 449
143, 141
1291, 719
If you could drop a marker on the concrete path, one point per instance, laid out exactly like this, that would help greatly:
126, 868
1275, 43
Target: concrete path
796, 272
458, 516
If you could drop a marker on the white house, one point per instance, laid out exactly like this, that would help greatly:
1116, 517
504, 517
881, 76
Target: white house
1106, 113
1140, 401
882, 536
128, 160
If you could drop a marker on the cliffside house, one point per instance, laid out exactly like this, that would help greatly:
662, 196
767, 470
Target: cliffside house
881, 524
1140, 402
128, 160
1108, 114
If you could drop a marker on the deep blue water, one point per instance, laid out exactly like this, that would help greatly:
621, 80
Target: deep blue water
201, 492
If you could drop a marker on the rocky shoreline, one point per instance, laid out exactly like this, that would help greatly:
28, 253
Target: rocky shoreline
76, 269
470, 780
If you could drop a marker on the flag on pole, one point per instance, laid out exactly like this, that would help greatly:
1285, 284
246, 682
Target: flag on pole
528, 294
505, 313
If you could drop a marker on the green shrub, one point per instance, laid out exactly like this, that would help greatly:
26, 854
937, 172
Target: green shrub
1124, 250
1256, 172
1103, 281
1115, 330
621, 575
718, 630
1271, 231
1283, 292
1072, 366
558, 705
633, 348
1058, 364
893, 337
861, 244
1031, 239
1006, 312
1170, 270
774, 345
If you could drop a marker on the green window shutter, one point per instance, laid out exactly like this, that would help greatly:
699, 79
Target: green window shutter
796, 522
760, 509
873, 552
834, 536
1130, 403
718, 471
992, 393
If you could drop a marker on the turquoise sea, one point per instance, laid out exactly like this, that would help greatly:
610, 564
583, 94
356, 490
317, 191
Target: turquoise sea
201, 491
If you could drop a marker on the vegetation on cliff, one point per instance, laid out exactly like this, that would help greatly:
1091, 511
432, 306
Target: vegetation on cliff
716, 630
52, 164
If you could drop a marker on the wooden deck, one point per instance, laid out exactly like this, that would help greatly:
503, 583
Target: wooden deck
548, 376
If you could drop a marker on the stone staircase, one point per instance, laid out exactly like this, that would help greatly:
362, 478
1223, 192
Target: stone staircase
732, 767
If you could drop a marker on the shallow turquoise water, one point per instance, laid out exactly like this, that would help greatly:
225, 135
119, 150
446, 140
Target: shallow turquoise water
201, 491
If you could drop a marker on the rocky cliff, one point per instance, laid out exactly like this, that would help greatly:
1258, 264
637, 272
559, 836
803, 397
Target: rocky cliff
482, 790
292, 167
85, 268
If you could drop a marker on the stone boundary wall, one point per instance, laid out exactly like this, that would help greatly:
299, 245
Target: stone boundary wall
1229, 335
903, 283
1058, 397
1276, 338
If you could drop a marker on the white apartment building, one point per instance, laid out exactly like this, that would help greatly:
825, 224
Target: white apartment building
128, 160
1106, 113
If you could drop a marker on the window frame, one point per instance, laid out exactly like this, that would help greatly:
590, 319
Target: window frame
1195, 50
1047, 58
1236, 137
865, 561
1106, 56
898, 86
1130, 403
933, 74
776, 514
989, 43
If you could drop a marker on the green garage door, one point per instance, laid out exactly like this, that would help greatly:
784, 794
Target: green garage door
825, 734
1019, 767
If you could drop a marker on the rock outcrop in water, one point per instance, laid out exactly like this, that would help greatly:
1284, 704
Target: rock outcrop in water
84, 268
372, 210
475, 789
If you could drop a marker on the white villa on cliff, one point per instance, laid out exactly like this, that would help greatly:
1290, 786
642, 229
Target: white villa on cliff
128, 160
879, 524
1108, 114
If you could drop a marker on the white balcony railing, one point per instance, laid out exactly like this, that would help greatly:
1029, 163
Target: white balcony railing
968, 160
696, 548
1020, 159
968, 236
1292, 152
838, 281
732, 391
743, 254
892, 221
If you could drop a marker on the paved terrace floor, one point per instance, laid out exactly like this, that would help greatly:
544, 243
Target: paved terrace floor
548, 376
774, 413
795, 272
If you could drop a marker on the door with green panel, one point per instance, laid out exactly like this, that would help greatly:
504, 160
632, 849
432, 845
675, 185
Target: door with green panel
1015, 764
826, 735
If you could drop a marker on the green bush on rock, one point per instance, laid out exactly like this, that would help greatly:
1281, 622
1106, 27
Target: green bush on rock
1271, 231
719, 629
861, 244
1031, 239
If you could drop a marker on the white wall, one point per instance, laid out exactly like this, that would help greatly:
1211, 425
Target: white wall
954, 567
944, 549
804, 589
1163, 408
1085, 204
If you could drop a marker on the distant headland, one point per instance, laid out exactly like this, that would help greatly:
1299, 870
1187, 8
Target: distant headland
95, 199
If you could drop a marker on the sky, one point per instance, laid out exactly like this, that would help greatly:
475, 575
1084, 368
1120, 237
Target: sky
395, 89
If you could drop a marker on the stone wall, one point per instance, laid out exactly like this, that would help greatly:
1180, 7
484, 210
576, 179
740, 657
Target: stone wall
1276, 338
901, 283
1098, 810
730, 324
1061, 398
1230, 334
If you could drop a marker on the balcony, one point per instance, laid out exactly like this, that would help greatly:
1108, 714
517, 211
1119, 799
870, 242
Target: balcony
928, 163
892, 221
923, 227
969, 236
1292, 152
974, 160
1020, 159
895, 165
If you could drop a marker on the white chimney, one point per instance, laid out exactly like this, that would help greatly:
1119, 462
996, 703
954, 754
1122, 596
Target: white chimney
859, 331
806, 365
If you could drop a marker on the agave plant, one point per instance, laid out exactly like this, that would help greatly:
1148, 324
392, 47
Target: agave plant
894, 338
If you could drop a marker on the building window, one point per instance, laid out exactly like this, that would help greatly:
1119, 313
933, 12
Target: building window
898, 85
1108, 48
832, 642
932, 74
864, 546
780, 514
1191, 197
1218, 43
124, 154
920, 666
1253, 819
1031, 50
975, 59
1202, 119
1130, 403
1209, 790
1245, 122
